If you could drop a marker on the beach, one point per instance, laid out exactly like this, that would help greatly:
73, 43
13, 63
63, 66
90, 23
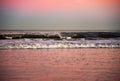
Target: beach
83, 64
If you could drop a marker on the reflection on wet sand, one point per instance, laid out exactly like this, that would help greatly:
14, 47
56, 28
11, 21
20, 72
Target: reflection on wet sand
84, 64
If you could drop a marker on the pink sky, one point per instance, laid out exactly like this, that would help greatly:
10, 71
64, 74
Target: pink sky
79, 11
57, 5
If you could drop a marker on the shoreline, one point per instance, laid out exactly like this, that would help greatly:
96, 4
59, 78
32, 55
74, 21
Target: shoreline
40, 43
59, 39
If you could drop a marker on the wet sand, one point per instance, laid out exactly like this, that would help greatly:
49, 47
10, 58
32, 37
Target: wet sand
84, 64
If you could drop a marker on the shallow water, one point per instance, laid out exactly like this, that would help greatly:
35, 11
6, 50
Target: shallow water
84, 64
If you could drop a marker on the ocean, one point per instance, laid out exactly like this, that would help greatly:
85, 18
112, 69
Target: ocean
59, 56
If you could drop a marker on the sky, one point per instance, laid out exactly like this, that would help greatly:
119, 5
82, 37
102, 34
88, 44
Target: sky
59, 14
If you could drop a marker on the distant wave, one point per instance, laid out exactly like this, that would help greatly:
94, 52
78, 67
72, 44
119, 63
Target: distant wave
57, 39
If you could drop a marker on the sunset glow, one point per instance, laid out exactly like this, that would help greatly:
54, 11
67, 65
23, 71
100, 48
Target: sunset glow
61, 14
56, 5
